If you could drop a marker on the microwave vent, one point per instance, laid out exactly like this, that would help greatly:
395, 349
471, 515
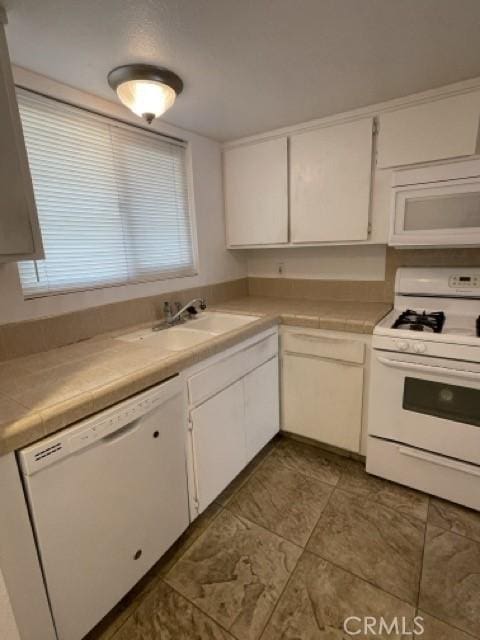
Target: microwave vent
48, 451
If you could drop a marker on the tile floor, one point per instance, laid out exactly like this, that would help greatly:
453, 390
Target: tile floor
301, 540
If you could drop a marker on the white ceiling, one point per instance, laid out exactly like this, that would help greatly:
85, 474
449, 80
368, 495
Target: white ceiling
253, 65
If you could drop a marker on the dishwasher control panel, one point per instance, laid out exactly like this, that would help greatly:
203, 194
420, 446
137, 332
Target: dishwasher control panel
88, 431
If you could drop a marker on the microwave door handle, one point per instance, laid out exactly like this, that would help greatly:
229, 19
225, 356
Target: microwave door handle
423, 368
444, 462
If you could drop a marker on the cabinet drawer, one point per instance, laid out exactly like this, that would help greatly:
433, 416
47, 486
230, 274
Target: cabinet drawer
324, 347
210, 380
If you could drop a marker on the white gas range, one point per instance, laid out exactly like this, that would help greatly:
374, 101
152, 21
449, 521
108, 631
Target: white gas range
424, 405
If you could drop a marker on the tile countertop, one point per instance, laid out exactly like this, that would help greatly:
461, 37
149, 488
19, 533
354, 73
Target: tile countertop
44, 392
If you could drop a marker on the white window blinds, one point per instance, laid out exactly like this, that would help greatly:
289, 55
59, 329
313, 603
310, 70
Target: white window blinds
112, 200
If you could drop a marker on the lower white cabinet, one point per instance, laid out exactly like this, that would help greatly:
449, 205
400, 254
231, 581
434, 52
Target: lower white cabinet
323, 386
261, 406
233, 412
219, 442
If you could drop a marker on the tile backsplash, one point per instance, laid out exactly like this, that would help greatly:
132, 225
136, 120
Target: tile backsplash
32, 336
364, 290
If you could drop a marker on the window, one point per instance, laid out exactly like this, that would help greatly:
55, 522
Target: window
112, 200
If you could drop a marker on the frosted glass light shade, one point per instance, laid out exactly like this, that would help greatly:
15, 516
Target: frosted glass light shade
146, 90
146, 98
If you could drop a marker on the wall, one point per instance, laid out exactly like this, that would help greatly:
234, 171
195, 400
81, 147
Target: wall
332, 263
216, 264
350, 285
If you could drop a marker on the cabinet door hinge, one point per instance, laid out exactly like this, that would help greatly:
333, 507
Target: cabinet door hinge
375, 126
190, 425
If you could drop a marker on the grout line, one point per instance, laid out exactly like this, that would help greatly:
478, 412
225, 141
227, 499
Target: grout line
247, 477
423, 557
363, 579
450, 530
369, 497
195, 606
435, 617
142, 596
285, 586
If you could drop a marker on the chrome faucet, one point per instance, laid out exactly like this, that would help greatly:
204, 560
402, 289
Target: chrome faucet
172, 318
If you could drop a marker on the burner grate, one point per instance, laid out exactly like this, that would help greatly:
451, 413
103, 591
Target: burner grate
416, 321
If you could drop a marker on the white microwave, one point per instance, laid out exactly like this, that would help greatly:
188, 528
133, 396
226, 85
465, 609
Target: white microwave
436, 206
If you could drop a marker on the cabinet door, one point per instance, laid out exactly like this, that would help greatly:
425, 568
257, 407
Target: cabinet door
322, 400
218, 442
330, 179
261, 406
19, 231
446, 128
256, 193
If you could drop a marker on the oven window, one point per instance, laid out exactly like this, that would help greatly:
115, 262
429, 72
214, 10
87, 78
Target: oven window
460, 404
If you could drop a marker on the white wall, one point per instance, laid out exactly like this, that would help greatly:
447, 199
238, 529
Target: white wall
338, 263
216, 264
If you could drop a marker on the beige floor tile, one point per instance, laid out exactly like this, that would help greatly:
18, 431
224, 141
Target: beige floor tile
455, 518
437, 630
372, 541
166, 615
450, 588
282, 500
235, 572
407, 501
196, 528
244, 475
309, 460
320, 598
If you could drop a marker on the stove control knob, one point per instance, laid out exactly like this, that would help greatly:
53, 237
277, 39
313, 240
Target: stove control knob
419, 347
402, 345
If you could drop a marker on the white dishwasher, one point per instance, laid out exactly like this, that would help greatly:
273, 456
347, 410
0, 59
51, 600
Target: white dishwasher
107, 497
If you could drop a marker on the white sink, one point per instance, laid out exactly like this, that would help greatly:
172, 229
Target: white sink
208, 325
174, 339
220, 322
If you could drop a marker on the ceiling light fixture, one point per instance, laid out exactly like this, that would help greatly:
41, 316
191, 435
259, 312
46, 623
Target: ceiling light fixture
146, 90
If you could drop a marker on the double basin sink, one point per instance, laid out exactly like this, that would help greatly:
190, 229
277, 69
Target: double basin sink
193, 332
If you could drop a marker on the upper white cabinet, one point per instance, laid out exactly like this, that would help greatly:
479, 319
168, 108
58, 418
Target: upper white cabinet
19, 231
444, 128
256, 193
330, 183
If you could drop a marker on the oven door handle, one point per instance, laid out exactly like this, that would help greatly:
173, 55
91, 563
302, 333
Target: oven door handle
423, 368
440, 460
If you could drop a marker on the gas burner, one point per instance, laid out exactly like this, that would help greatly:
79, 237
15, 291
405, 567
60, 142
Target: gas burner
415, 321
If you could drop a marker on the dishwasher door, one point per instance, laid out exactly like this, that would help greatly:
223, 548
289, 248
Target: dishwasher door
107, 498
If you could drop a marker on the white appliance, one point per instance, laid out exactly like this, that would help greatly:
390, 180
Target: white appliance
437, 205
107, 498
424, 405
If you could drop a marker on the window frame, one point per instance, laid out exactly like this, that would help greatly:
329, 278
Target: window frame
115, 121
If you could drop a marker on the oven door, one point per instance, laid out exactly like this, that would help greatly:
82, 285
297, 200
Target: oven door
428, 403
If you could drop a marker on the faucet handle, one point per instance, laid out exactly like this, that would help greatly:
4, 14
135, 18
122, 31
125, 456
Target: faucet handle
203, 304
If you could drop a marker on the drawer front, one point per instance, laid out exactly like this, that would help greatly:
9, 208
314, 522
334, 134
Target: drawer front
311, 344
211, 380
